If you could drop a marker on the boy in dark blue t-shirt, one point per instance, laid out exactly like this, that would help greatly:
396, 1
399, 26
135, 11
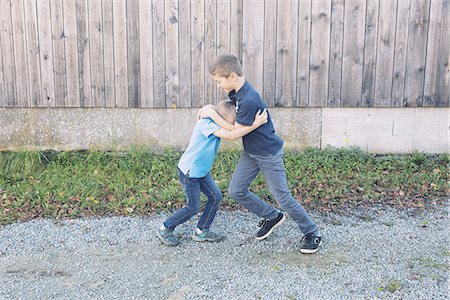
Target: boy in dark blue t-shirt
262, 152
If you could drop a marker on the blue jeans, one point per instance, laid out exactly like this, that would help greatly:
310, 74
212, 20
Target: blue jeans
272, 167
192, 188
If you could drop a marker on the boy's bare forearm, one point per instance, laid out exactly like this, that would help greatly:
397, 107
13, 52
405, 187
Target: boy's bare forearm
210, 112
241, 130
236, 133
214, 115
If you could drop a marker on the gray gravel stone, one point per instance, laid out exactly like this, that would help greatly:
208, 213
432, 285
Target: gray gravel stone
378, 254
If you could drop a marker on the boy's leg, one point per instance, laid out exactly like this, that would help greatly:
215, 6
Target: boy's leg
192, 190
274, 173
209, 187
246, 171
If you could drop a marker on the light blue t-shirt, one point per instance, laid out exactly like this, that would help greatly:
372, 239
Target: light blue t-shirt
199, 156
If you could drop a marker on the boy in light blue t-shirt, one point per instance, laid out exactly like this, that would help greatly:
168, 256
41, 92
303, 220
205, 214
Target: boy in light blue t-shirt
194, 170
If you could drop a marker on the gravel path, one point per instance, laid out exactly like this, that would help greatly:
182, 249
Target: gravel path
380, 254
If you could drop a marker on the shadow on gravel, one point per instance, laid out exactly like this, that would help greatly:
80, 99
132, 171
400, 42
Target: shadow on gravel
295, 259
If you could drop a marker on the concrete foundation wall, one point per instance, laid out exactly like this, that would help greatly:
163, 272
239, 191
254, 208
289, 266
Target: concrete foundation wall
378, 130
387, 130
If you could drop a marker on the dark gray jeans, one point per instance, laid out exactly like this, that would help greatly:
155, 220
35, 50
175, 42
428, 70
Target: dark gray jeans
272, 167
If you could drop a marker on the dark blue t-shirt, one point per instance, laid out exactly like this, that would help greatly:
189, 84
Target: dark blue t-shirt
263, 140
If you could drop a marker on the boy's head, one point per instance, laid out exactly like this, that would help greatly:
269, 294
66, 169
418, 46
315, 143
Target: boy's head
227, 110
226, 70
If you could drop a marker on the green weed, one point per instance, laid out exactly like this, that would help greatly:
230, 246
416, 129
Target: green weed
392, 286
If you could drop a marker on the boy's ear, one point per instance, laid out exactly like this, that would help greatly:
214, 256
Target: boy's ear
233, 76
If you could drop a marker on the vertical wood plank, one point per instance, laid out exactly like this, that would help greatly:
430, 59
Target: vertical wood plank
20, 54
270, 52
286, 53
433, 45
59, 56
253, 60
34, 68
146, 52
236, 28
443, 76
96, 54
8, 54
223, 26
401, 43
84, 63
210, 48
303, 53
199, 70
319, 56
385, 53
108, 53
159, 71
134, 72
46, 54
336, 48
184, 28
415, 61
71, 53
120, 53
352, 65
370, 51
223, 34
2, 90
172, 54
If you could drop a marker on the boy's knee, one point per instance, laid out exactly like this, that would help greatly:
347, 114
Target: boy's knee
236, 193
287, 202
218, 196
193, 209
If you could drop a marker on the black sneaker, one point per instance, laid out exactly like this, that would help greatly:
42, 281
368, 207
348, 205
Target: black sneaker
267, 226
311, 243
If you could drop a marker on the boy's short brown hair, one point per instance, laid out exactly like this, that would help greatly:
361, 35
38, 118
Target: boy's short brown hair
226, 108
226, 64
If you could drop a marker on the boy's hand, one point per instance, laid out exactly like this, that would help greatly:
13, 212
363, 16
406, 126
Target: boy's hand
260, 118
205, 111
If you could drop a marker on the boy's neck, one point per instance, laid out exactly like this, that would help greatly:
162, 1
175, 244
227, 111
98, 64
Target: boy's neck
239, 84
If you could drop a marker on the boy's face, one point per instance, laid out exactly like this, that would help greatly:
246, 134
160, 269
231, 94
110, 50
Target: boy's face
226, 84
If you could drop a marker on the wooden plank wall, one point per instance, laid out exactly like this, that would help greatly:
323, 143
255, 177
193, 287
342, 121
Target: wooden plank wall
156, 53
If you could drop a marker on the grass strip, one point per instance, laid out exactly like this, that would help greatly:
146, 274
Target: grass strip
138, 182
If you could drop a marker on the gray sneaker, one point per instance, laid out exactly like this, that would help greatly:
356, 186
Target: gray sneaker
207, 236
166, 236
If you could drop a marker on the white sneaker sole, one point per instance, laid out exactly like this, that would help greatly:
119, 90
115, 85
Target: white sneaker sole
271, 229
198, 240
308, 251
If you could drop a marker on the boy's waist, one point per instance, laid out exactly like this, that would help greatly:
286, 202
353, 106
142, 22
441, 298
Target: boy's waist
261, 145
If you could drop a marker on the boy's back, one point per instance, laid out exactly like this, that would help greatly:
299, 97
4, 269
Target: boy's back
199, 156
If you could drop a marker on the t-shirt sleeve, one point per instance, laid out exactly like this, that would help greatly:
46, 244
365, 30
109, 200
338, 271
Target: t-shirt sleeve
208, 127
246, 113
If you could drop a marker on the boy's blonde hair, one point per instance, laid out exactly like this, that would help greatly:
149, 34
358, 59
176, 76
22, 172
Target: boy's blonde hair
226, 108
226, 64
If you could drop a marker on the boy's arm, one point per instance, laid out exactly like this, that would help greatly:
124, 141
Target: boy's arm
208, 111
240, 131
